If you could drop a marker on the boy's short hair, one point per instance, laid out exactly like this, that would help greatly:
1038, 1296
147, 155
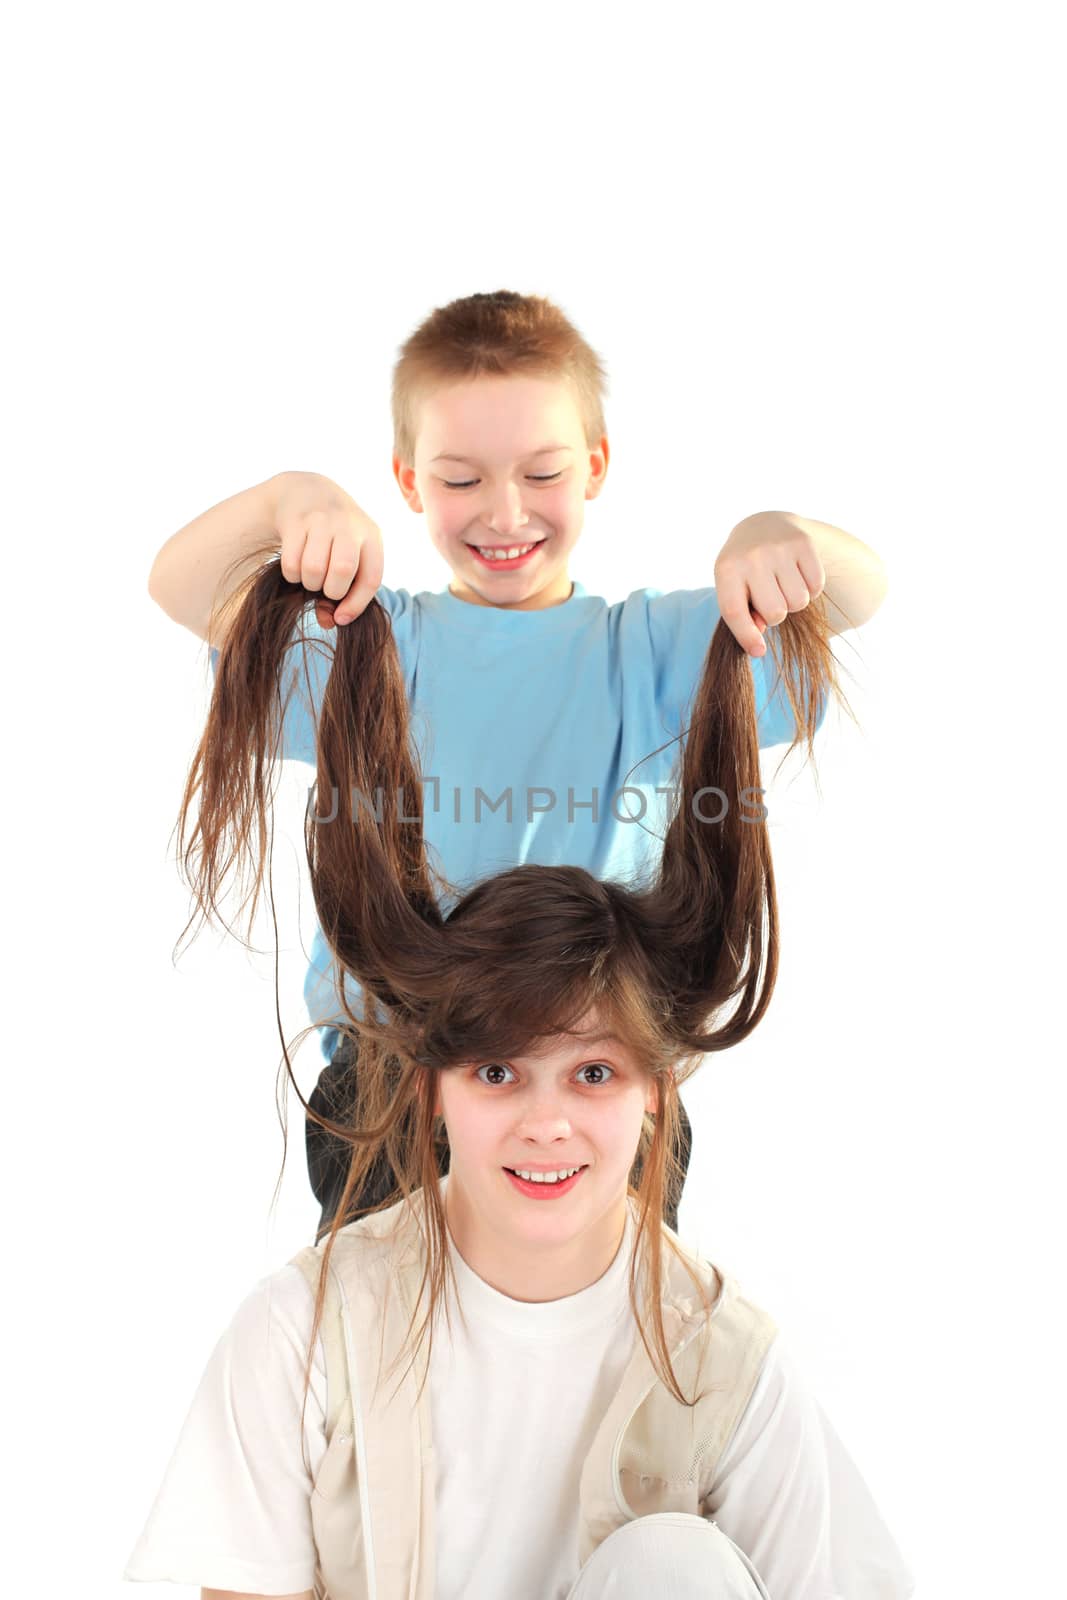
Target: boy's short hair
502, 334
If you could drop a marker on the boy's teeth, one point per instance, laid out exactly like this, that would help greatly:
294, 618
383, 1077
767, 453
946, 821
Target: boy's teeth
546, 1177
505, 555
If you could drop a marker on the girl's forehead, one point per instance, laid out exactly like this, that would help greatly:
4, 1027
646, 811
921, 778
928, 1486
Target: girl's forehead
562, 1052
597, 1032
581, 1042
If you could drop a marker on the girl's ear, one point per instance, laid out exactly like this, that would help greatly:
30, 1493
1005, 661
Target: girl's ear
652, 1098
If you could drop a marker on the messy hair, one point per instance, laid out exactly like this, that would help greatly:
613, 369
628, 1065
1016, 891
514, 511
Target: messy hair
678, 967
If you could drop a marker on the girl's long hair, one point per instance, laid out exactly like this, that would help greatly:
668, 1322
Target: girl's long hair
678, 967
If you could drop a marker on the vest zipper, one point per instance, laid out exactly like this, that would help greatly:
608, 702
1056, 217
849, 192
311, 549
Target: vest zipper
620, 1499
361, 1448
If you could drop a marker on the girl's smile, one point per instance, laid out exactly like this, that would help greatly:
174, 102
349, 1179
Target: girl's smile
548, 1187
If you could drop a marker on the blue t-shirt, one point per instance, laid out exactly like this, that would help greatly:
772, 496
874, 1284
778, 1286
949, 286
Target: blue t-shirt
539, 732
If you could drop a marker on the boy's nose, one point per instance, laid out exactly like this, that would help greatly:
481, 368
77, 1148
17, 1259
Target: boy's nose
506, 512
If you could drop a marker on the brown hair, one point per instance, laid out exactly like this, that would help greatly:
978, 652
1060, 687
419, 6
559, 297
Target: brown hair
679, 968
493, 335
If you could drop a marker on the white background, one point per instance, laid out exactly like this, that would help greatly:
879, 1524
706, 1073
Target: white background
817, 248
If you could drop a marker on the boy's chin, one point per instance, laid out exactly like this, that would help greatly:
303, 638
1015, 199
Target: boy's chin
506, 587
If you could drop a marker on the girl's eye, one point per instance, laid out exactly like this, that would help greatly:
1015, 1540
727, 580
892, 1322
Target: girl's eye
491, 1066
467, 482
499, 1066
598, 1066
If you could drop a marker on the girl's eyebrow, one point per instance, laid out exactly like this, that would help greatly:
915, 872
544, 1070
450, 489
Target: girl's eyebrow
584, 1046
545, 450
588, 1044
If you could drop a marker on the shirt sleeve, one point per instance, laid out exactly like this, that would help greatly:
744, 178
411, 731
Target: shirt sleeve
233, 1511
789, 1495
681, 625
307, 667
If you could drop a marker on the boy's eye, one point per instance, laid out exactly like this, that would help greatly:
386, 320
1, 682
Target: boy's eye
467, 482
500, 1066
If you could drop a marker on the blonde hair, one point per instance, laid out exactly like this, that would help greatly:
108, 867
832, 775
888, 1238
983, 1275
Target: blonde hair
502, 334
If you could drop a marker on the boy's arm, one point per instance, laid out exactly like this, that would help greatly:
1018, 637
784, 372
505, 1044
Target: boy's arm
774, 562
856, 578
324, 540
186, 574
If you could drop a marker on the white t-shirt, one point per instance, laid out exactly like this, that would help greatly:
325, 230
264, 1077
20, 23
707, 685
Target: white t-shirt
515, 1400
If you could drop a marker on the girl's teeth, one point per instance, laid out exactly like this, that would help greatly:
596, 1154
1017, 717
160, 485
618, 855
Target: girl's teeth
546, 1177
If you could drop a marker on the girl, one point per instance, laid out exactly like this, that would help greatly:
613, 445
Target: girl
607, 1414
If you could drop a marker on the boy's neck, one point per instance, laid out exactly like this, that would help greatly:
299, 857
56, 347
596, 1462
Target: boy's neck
554, 594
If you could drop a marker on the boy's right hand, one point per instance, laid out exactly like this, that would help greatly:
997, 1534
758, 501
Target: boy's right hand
328, 543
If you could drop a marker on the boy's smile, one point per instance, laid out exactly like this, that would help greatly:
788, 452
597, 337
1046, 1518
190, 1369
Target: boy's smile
504, 558
502, 471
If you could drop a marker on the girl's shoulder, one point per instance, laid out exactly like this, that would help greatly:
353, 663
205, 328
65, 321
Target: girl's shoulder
274, 1319
699, 1284
385, 1241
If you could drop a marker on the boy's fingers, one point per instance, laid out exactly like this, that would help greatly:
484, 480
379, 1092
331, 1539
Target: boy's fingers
292, 553
315, 560
367, 582
766, 597
342, 570
356, 600
795, 591
734, 610
813, 573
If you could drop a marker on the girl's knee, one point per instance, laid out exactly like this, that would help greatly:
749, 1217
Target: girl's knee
672, 1555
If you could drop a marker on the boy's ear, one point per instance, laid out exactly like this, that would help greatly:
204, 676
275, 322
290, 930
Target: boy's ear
598, 468
405, 477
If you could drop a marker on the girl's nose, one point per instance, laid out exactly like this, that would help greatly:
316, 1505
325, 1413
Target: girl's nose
545, 1128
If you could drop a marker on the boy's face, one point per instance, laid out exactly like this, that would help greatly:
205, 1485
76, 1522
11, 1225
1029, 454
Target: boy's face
509, 492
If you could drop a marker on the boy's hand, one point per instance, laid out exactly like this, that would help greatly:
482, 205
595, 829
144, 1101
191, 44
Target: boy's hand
768, 567
328, 543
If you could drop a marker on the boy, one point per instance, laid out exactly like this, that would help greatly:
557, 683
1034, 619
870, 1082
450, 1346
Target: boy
549, 720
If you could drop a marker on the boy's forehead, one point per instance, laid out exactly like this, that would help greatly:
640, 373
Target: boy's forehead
525, 455
492, 416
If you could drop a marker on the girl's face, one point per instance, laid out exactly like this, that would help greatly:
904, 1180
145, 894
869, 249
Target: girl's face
488, 485
577, 1102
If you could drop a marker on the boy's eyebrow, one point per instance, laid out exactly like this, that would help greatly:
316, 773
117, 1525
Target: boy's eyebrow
546, 449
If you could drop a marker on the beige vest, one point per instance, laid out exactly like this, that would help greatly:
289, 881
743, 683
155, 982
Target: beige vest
372, 1506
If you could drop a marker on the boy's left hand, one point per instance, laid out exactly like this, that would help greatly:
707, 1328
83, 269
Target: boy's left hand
767, 568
